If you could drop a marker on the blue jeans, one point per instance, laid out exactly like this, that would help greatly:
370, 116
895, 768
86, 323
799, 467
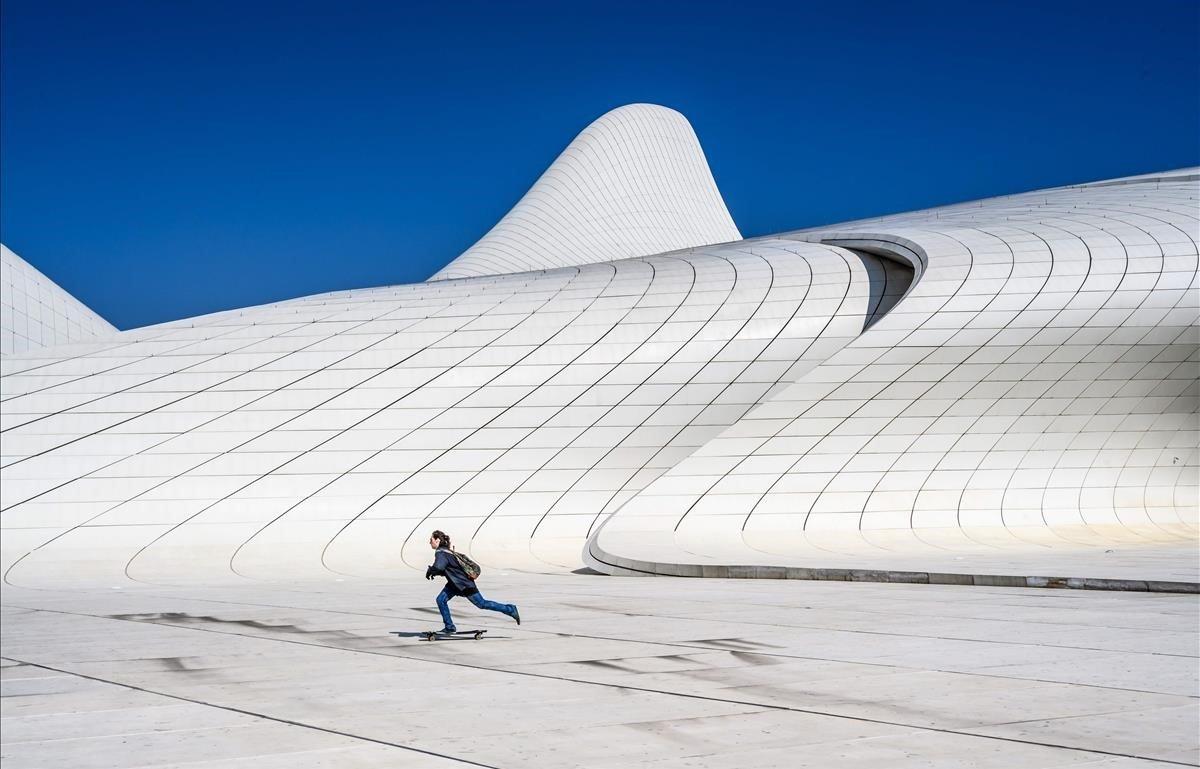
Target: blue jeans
443, 602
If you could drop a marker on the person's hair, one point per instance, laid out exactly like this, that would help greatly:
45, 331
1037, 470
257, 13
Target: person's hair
442, 537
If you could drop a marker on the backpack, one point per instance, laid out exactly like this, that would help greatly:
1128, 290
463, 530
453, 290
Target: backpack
470, 567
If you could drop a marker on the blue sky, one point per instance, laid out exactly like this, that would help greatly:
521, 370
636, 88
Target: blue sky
166, 159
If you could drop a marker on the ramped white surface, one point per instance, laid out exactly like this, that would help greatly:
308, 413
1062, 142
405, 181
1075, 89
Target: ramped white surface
1031, 405
36, 312
635, 182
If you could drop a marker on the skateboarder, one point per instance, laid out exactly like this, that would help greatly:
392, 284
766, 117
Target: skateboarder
458, 583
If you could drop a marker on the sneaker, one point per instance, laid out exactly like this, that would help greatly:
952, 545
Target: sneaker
448, 630
516, 614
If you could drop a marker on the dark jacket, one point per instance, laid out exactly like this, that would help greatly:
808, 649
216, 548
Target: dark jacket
446, 565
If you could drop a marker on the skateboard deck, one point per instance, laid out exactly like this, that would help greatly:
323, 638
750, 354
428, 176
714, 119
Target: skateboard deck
433, 635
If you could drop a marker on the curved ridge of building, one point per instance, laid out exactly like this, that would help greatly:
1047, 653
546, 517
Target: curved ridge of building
1027, 415
36, 312
633, 183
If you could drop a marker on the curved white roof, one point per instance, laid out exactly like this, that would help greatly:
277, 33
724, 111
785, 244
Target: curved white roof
1000, 389
37, 312
1035, 393
633, 183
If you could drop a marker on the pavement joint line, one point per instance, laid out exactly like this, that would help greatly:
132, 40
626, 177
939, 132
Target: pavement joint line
254, 714
1141, 597
1023, 598
924, 636
1085, 715
644, 690
125, 734
1064, 595
59, 713
696, 646
806, 627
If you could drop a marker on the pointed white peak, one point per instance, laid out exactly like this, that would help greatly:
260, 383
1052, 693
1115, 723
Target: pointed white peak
633, 183
36, 312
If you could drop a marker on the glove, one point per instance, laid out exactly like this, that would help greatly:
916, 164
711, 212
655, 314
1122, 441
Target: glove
429, 573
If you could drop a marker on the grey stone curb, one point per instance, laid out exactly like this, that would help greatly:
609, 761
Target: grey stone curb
627, 567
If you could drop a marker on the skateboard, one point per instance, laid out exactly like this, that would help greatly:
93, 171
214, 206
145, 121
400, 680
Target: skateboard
433, 635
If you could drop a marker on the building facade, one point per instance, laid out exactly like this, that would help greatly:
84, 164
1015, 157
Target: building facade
613, 377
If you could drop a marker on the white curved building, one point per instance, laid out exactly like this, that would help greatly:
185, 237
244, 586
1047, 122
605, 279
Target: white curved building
633, 183
1028, 412
36, 312
1001, 391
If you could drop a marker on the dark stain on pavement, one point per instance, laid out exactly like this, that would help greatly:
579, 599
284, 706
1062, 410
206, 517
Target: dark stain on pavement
751, 658
735, 644
184, 619
606, 664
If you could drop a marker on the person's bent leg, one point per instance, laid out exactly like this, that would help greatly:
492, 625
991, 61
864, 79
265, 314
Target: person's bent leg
503, 608
443, 602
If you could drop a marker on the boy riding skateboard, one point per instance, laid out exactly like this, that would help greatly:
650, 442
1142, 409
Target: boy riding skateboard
445, 564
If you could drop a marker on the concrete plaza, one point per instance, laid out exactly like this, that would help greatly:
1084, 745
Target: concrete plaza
603, 672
